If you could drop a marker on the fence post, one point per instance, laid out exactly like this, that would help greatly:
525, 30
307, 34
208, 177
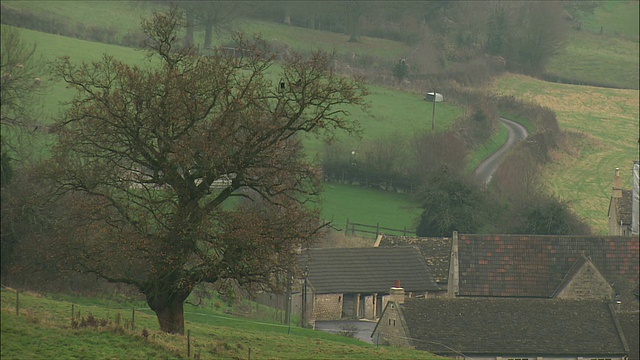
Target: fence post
188, 343
17, 302
353, 229
249, 353
377, 229
72, 313
133, 318
404, 232
346, 228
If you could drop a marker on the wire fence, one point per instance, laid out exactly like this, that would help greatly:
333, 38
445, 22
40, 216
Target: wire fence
77, 317
85, 319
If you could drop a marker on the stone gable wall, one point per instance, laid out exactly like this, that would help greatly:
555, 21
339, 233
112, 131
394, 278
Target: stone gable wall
390, 330
587, 284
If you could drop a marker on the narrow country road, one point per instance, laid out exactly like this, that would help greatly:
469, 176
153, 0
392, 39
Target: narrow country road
485, 170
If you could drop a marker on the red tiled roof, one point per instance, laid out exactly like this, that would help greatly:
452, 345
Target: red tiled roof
534, 266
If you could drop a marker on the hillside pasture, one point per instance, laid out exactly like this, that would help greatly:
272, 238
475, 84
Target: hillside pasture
602, 134
614, 64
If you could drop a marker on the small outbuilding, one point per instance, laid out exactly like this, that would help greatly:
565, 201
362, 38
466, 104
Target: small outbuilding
353, 283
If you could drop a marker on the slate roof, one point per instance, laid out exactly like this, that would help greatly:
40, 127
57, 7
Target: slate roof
436, 251
534, 266
366, 270
630, 324
502, 326
623, 207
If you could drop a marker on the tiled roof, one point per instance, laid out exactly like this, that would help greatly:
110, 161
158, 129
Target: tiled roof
436, 251
534, 266
366, 270
512, 327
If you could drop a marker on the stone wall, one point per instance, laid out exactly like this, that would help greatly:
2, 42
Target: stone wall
328, 306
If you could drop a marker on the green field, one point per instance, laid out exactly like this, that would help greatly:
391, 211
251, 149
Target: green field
368, 206
43, 331
618, 18
615, 63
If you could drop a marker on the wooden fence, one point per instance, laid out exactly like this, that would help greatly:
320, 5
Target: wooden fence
352, 228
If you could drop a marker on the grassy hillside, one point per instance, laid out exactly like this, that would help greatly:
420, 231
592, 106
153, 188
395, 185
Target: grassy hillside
610, 58
43, 331
604, 124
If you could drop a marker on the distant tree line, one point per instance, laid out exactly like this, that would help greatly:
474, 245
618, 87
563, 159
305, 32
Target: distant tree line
524, 34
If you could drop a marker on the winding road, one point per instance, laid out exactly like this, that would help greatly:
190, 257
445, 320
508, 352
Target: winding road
485, 170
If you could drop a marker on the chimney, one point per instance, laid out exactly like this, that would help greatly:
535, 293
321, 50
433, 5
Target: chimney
397, 293
617, 184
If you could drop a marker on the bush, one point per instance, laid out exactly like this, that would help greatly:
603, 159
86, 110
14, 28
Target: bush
450, 204
400, 70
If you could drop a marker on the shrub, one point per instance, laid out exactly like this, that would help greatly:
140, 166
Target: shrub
348, 330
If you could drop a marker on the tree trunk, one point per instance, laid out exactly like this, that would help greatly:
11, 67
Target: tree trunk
355, 29
208, 32
353, 20
170, 311
287, 14
189, 37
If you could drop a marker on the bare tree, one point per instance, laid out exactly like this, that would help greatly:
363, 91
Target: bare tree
213, 16
151, 161
20, 83
20, 88
537, 33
